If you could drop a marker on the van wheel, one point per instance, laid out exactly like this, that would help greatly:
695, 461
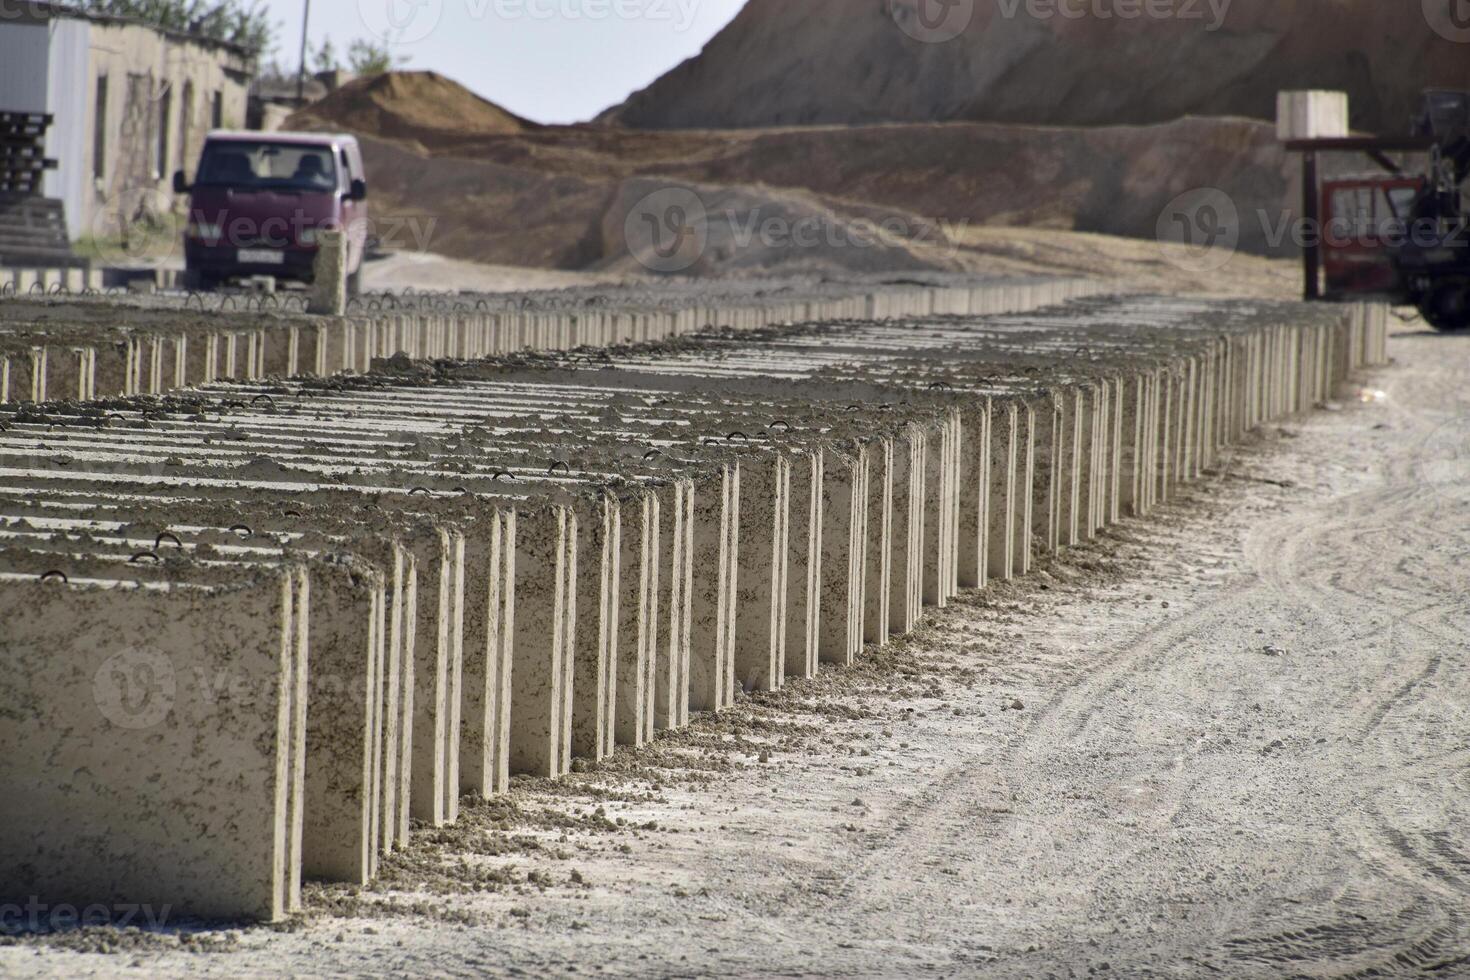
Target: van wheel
1448, 308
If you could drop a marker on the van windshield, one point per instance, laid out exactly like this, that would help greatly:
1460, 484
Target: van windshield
267, 166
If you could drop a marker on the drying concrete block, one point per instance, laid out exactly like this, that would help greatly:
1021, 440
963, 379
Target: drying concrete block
844, 539
973, 557
396, 707
673, 623
1069, 504
716, 535
1114, 456
877, 589
343, 725
329, 275
1046, 496
1311, 114
596, 641
758, 652
1023, 535
438, 660
150, 752
1130, 447
638, 609
1004, 489
941, 486
1089, 435
545, 619
906, 531
805, 568
488, 627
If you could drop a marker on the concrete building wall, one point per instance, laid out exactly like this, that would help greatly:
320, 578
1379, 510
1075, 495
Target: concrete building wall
164, 92
163, 95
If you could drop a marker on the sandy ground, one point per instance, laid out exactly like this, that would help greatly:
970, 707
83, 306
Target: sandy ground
1229, 741
426, 271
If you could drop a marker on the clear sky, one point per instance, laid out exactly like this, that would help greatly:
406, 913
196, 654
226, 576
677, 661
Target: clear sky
548, 60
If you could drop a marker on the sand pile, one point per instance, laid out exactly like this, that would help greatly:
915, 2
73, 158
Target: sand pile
838, 61
422, 106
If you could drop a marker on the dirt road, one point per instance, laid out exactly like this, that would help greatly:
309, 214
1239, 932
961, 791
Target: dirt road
1230, 742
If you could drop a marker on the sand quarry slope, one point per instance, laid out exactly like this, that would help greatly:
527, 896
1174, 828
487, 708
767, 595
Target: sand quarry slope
781, 63
499, 190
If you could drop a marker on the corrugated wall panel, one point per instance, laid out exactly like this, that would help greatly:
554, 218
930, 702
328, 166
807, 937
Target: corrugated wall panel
69, 101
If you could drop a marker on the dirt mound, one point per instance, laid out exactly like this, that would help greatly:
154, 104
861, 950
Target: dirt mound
548, 198
532, 215
1103, 62
422, 106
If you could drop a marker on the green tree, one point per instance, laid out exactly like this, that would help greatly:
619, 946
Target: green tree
325, 57
245, 23
369, 58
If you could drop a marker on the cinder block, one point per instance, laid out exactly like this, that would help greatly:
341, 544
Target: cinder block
1312, 114
759, 652
716, 535
595, 646
142, 723
638, 611
433, 741
878, 550
674, 636
545, 621
844, 539
1004, 439
488, 624
344, 727
804, 571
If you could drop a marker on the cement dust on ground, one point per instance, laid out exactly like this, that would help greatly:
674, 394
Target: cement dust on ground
1228, 741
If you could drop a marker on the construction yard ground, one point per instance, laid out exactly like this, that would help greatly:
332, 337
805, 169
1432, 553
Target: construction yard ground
1227, 741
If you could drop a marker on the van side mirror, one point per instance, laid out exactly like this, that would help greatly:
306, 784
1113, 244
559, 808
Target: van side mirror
359, 189
181, 186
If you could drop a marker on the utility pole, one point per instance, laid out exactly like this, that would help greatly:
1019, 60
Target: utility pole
301, 73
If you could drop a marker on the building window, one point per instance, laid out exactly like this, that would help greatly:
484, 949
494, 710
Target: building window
99, 130
163, 120
217, 111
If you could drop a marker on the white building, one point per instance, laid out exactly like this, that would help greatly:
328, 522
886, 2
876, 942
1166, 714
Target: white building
130, 104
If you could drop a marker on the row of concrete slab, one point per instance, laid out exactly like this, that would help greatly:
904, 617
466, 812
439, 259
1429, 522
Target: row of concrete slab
169, 343
261, 630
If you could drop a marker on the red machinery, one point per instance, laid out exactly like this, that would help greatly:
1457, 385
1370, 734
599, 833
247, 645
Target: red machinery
1361, 218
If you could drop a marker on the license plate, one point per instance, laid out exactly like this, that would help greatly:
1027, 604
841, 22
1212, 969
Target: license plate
261, 256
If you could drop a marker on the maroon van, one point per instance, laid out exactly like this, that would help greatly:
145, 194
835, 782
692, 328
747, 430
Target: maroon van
259, 199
